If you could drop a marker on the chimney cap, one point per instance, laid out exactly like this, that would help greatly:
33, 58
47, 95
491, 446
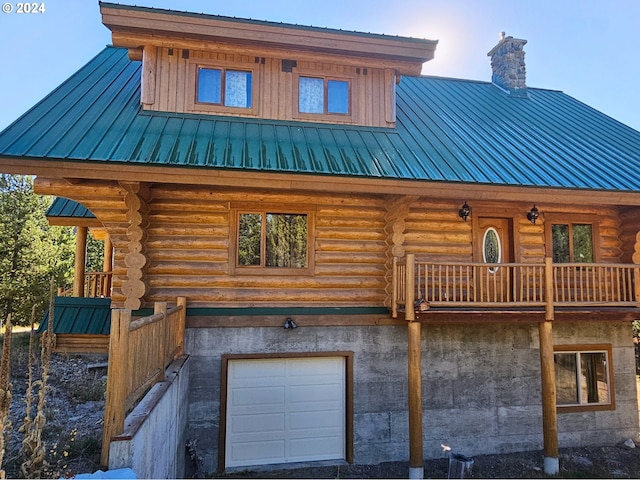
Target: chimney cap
504, 39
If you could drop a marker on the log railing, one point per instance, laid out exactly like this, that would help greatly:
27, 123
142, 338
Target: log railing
451, 284
139, 352
96, 284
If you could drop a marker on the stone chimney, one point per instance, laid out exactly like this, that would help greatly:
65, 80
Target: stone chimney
507, 64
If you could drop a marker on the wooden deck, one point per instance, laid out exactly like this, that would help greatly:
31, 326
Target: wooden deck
513, 285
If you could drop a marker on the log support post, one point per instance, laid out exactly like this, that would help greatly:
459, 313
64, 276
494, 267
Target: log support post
416, 463
548, 378
80, 260
117, 376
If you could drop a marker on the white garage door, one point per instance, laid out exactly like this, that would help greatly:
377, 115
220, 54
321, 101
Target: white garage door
285, 410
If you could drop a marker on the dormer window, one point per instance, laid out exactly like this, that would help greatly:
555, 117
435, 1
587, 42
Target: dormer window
319, 97
323, 95
226, 87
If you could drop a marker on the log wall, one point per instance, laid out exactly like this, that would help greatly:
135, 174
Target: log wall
189, 241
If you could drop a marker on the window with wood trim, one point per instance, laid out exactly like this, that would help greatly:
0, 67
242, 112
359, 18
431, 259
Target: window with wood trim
572, 241
273, 242
227, 87
584, 377
222, 87
329, 97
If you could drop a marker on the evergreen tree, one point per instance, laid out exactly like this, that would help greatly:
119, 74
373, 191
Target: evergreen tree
31, 251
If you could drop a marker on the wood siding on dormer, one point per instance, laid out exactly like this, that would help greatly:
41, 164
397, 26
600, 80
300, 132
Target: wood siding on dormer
274, 90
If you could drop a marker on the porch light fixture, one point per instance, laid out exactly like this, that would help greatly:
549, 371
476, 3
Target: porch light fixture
464, 211
290, 324
533, 214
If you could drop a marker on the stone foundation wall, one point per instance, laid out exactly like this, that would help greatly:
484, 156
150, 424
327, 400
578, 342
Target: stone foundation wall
481, 385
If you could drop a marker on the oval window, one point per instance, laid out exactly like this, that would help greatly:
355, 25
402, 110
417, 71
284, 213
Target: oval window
491, 248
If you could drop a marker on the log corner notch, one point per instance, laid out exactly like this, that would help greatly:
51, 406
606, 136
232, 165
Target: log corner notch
134, 288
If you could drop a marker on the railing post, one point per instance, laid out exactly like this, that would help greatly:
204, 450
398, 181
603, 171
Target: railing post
117, 376
394, 288
410, 287
162, 352
548, 378
182, 317
636, 283
548, 288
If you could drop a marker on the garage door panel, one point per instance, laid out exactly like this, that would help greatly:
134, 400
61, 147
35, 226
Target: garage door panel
274, 423
257, 452
257, 396
316, 393
316, 421
257, 369
322, 448
293, 408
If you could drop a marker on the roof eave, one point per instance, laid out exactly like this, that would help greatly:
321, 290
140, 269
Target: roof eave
131, 25
51, 173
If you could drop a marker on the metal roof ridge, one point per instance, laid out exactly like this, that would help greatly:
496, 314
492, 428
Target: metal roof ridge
272, 23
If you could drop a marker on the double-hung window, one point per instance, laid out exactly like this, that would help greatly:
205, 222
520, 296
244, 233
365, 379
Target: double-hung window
272, 242
584, 377
225, 87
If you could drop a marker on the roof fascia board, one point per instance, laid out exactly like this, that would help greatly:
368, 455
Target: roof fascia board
317, 183
140, 20
135, 41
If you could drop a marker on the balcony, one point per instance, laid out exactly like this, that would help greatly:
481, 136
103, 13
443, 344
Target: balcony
95, 285
523, 287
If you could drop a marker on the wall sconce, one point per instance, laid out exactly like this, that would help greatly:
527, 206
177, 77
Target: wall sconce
464, 211
289, 324
533, 214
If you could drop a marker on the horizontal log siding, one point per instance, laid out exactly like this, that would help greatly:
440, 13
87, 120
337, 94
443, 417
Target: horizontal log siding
274, 89
188, 249
629, 235
434, 231
609, 243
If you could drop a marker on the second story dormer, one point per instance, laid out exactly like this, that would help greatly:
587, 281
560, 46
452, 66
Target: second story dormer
208, 64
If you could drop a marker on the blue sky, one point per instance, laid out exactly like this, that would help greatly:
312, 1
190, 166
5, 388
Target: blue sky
586, 48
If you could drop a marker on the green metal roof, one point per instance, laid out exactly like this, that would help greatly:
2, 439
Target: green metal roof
65, 208
448, 130
77, 315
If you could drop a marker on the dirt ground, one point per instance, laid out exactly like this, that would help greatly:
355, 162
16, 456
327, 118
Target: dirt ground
74, 411
592, 462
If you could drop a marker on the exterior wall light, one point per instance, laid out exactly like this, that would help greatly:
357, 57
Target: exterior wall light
290, 324
533, 214
464, 211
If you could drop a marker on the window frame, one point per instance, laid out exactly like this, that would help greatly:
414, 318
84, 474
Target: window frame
590, 348
337, 117
193, 105
569, 219
234, 233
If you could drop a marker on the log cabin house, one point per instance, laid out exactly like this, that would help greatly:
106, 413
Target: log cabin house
375, 262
